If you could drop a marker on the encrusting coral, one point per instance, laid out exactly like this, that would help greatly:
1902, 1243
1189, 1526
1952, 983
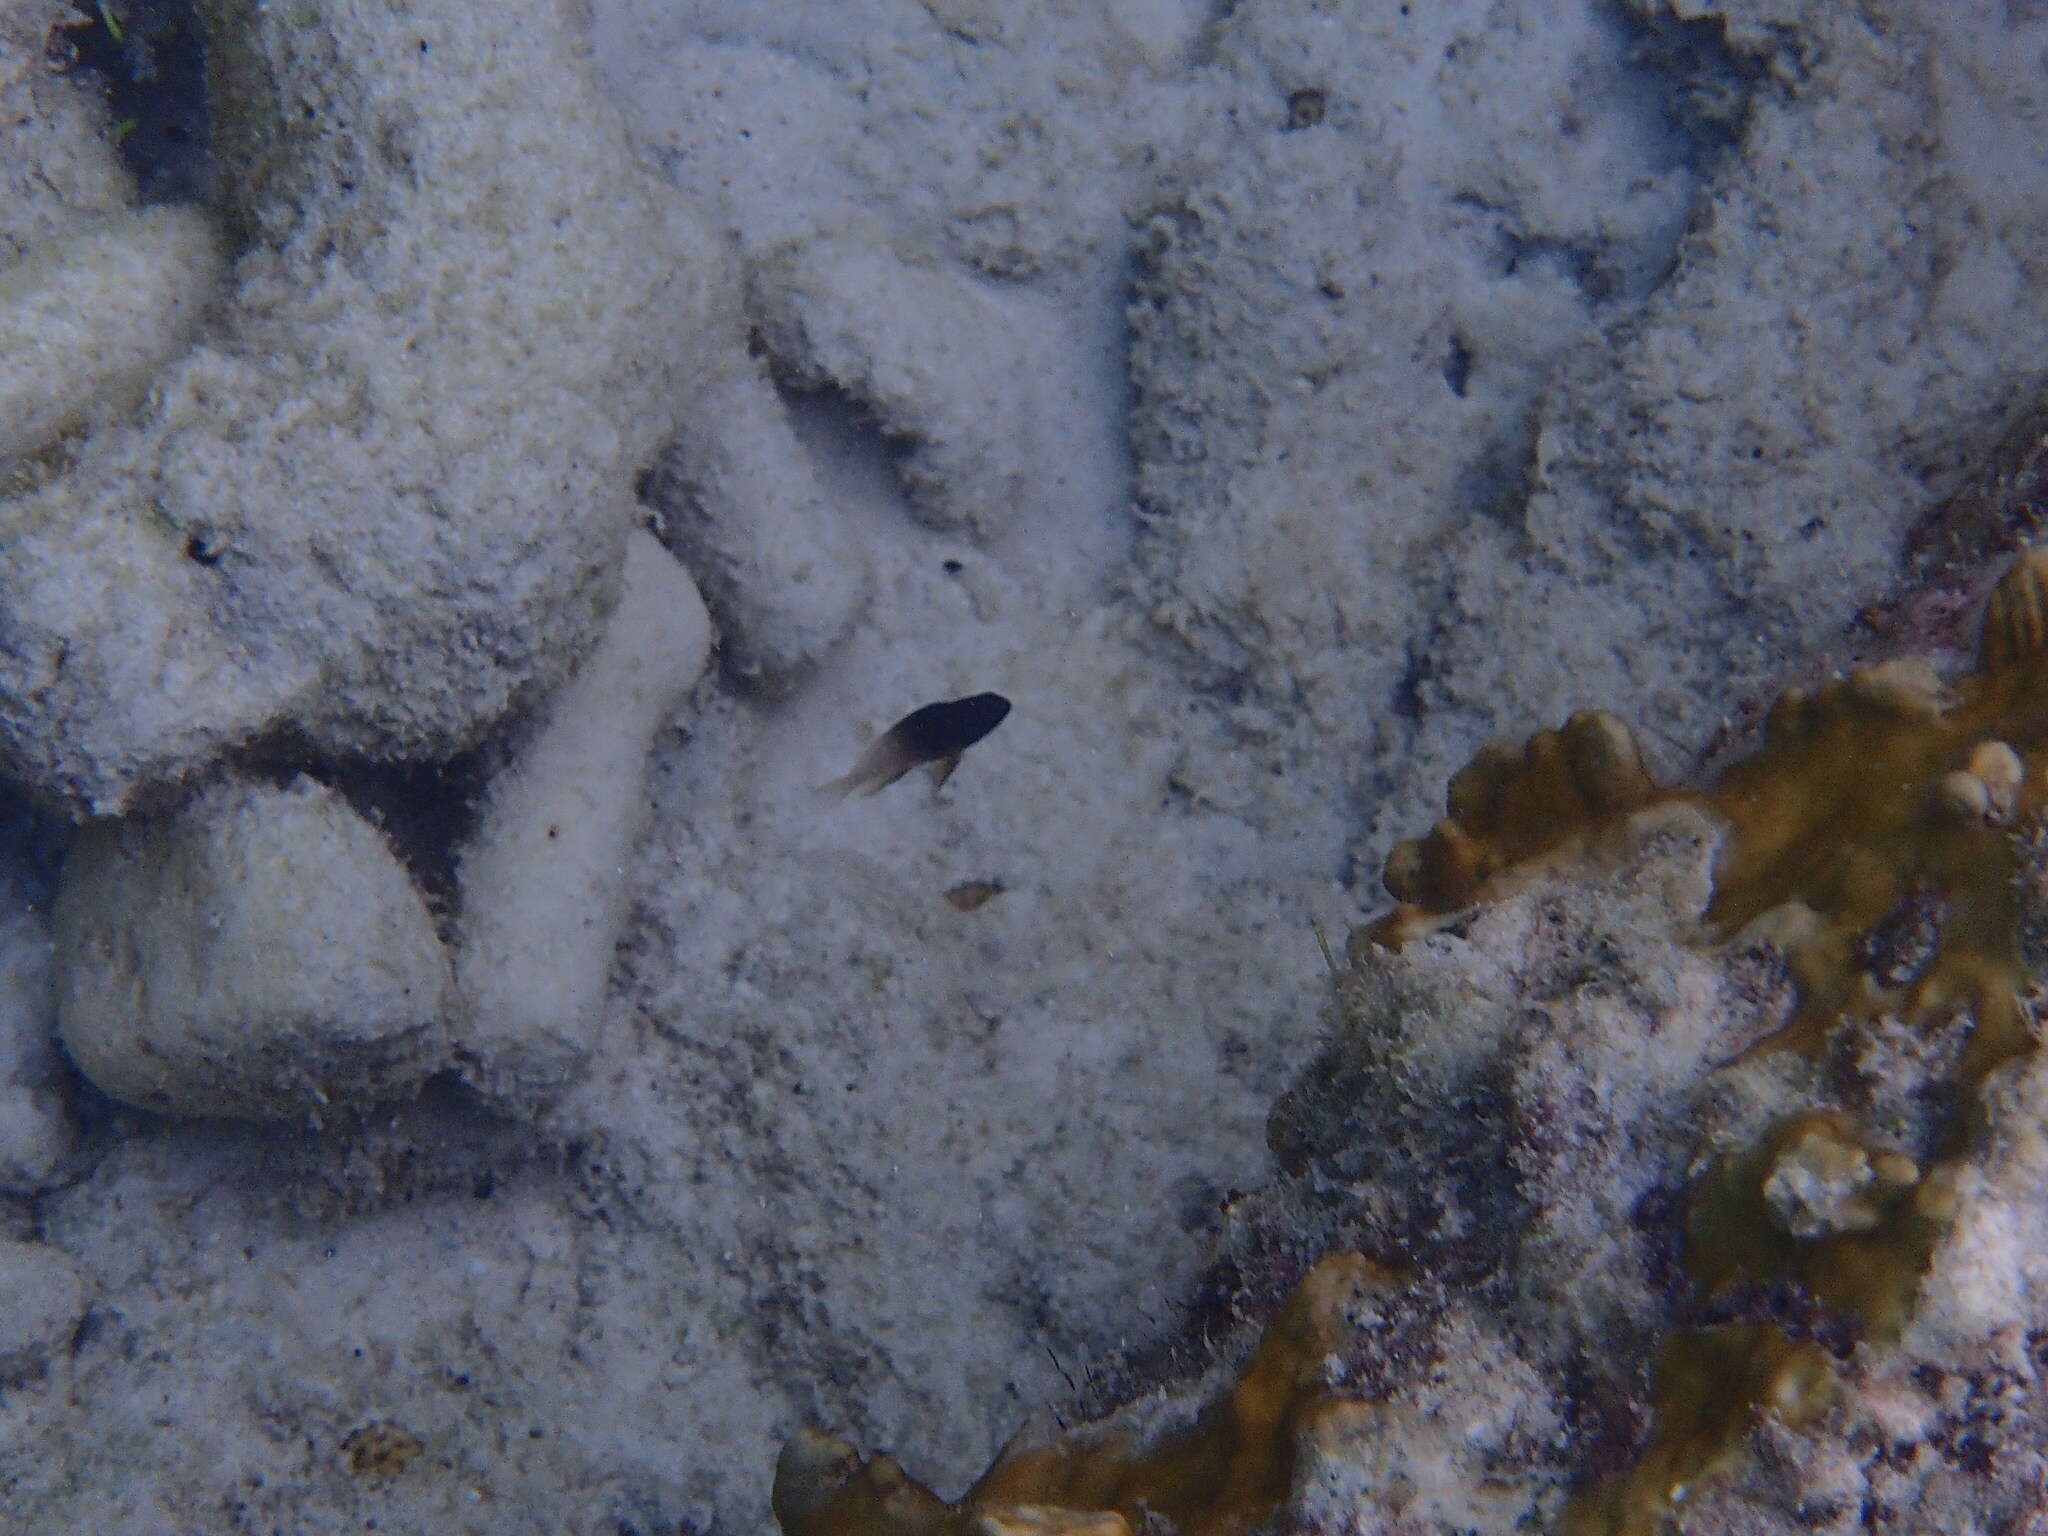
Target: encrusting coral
1656, 1124
1217, 1476
1871, 842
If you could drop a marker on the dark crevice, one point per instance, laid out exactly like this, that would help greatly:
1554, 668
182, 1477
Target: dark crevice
845, 435
425, 811
1706, 87
32, 848
148, 57
1458, 367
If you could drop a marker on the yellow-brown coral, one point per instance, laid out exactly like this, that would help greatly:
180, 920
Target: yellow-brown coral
1875, 787
1871, 839
1221, 1476
1511, 807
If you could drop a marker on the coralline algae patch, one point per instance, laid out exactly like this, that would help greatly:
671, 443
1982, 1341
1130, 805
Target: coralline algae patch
1706, 1162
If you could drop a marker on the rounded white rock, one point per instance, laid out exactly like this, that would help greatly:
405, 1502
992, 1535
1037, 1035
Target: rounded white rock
258, 953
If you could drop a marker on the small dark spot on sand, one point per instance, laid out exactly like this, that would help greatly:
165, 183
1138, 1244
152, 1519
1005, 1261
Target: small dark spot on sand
1305, 108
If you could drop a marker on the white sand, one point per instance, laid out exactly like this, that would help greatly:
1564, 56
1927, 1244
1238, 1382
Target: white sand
849, 1155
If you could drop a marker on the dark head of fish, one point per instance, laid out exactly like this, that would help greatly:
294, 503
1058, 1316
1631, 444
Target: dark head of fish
940, 730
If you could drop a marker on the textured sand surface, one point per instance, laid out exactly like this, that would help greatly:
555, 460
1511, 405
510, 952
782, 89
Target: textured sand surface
1272, 407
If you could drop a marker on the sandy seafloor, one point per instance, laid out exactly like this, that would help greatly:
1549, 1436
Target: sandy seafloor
1544, 353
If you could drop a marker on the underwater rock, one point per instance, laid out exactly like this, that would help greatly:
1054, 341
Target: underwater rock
258, 953
943, 377
383, 499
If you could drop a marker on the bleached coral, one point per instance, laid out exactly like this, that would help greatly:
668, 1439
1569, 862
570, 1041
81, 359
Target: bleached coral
1693, 321
383, 499
743, 508
543, 877
259, 952
58, 170
47, 1296
949, 377
87, 320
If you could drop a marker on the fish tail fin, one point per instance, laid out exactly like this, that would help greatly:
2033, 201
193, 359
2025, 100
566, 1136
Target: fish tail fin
834, 791
847, 785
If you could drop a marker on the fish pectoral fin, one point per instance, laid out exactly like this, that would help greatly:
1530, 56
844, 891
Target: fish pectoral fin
942, 769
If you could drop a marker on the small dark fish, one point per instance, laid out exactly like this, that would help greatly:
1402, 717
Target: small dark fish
973, 895
935, 735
